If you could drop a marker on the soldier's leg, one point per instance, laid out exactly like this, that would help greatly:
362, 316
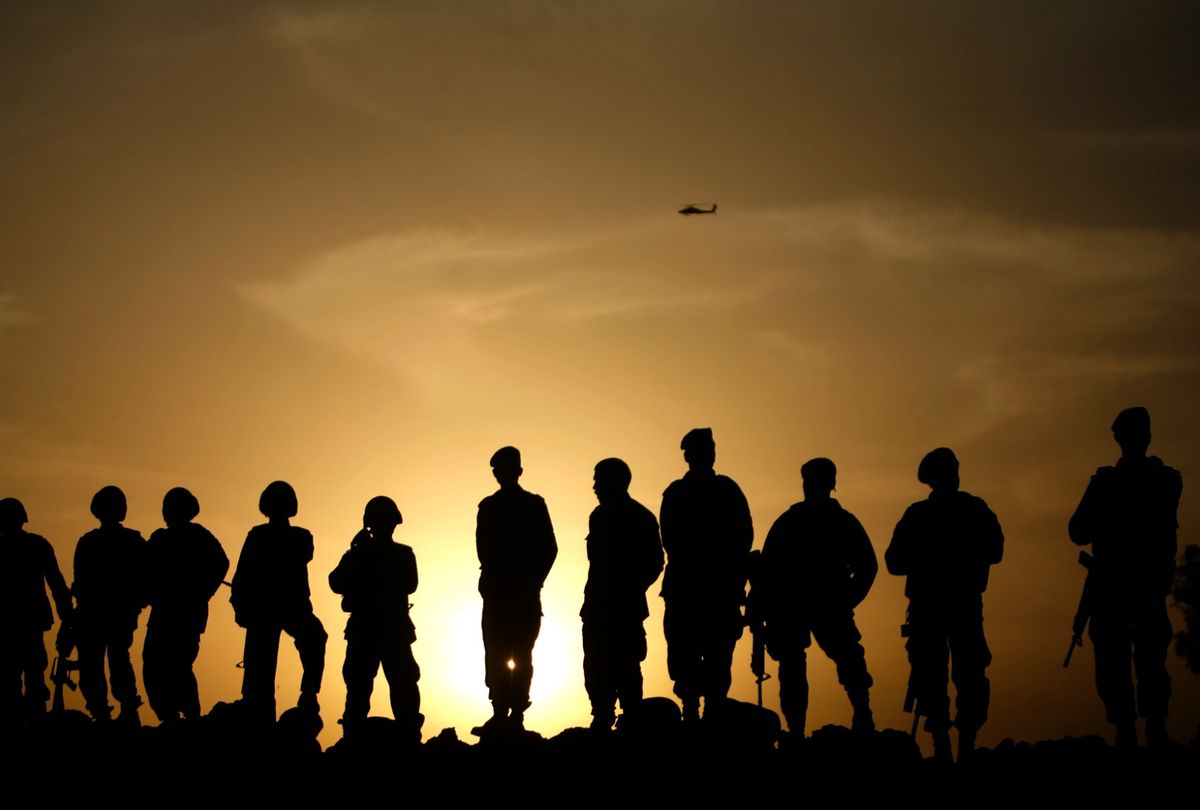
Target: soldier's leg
1152, 636
124, 682
630, 653
187, 690
402, 673
34, 663
683, 656
793, 687
720, 641
90, 643
838, 637
971, 657
310, 638
359, 670
156, 672
598, 678
497, 650
526, 629
1112, 645
260, 661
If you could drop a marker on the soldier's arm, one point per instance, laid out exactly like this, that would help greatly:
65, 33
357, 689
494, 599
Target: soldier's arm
58, 585
220, 565
409, 575
1086, 524
485, 537
898, 557
994, 535
653, 551
864, 564
340, 578
548, 546
668, 521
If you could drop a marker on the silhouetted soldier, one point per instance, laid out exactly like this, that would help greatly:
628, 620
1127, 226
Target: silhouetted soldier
707, 533
270, 596
946, 546
186, 566
515, 542
110, 591
29, 568
375, 578
625, 557
817, 566
1129, 516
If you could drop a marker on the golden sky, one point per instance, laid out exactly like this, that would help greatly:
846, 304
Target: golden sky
359, 246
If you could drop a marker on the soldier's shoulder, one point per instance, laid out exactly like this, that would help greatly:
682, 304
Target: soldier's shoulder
676, 487
302, 534
727, 483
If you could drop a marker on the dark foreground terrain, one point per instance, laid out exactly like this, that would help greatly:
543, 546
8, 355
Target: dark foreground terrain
738, 759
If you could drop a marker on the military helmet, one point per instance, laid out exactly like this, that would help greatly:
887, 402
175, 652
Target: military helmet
697, 437
109, 504
12, 513
179, 505
278, 500
936, 465
1131, 420
382, 510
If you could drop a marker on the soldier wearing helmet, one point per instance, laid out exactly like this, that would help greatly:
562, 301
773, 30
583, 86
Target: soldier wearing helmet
29, 568
1129, 516
270, 596
375, 578
817, 566
110, 591
186, 566
514, 540
946, 545
625, 557
707, 532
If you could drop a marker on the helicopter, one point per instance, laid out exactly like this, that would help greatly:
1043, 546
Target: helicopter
694, 208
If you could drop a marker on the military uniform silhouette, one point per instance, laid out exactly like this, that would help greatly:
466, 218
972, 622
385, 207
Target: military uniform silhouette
270, 596
946, 546
29, 568
375, 578
186, 566
817, 566
625, 557
1129, 516
515, 543
707, 533
110, 592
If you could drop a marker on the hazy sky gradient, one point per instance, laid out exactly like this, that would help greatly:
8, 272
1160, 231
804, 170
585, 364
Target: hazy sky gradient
358, 246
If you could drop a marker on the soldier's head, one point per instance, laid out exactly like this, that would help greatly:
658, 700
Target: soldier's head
611, 480
1131, 430
108, 505
506, 465
12, 515
180, 507
699, 449
939, 470
382, 516
278, 501
820, 478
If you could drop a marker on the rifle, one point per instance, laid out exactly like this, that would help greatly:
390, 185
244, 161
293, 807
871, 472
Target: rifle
911, 705
755, 621
1084, 612
60, 671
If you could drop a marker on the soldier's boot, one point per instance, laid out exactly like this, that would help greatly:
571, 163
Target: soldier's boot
691, 710
864, 720
603, 718
1126, 736
796, 723
128, 716
516, 720
941, 747
966, 744
494, 723
1156, 733
101, 713
308, 703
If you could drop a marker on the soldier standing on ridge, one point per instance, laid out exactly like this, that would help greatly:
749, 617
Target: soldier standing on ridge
270, 596
946, 546
1129, 515
707, 533
110, 592
817, 566
375, 578
30, 566
625, 557
515, 542
186, 566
